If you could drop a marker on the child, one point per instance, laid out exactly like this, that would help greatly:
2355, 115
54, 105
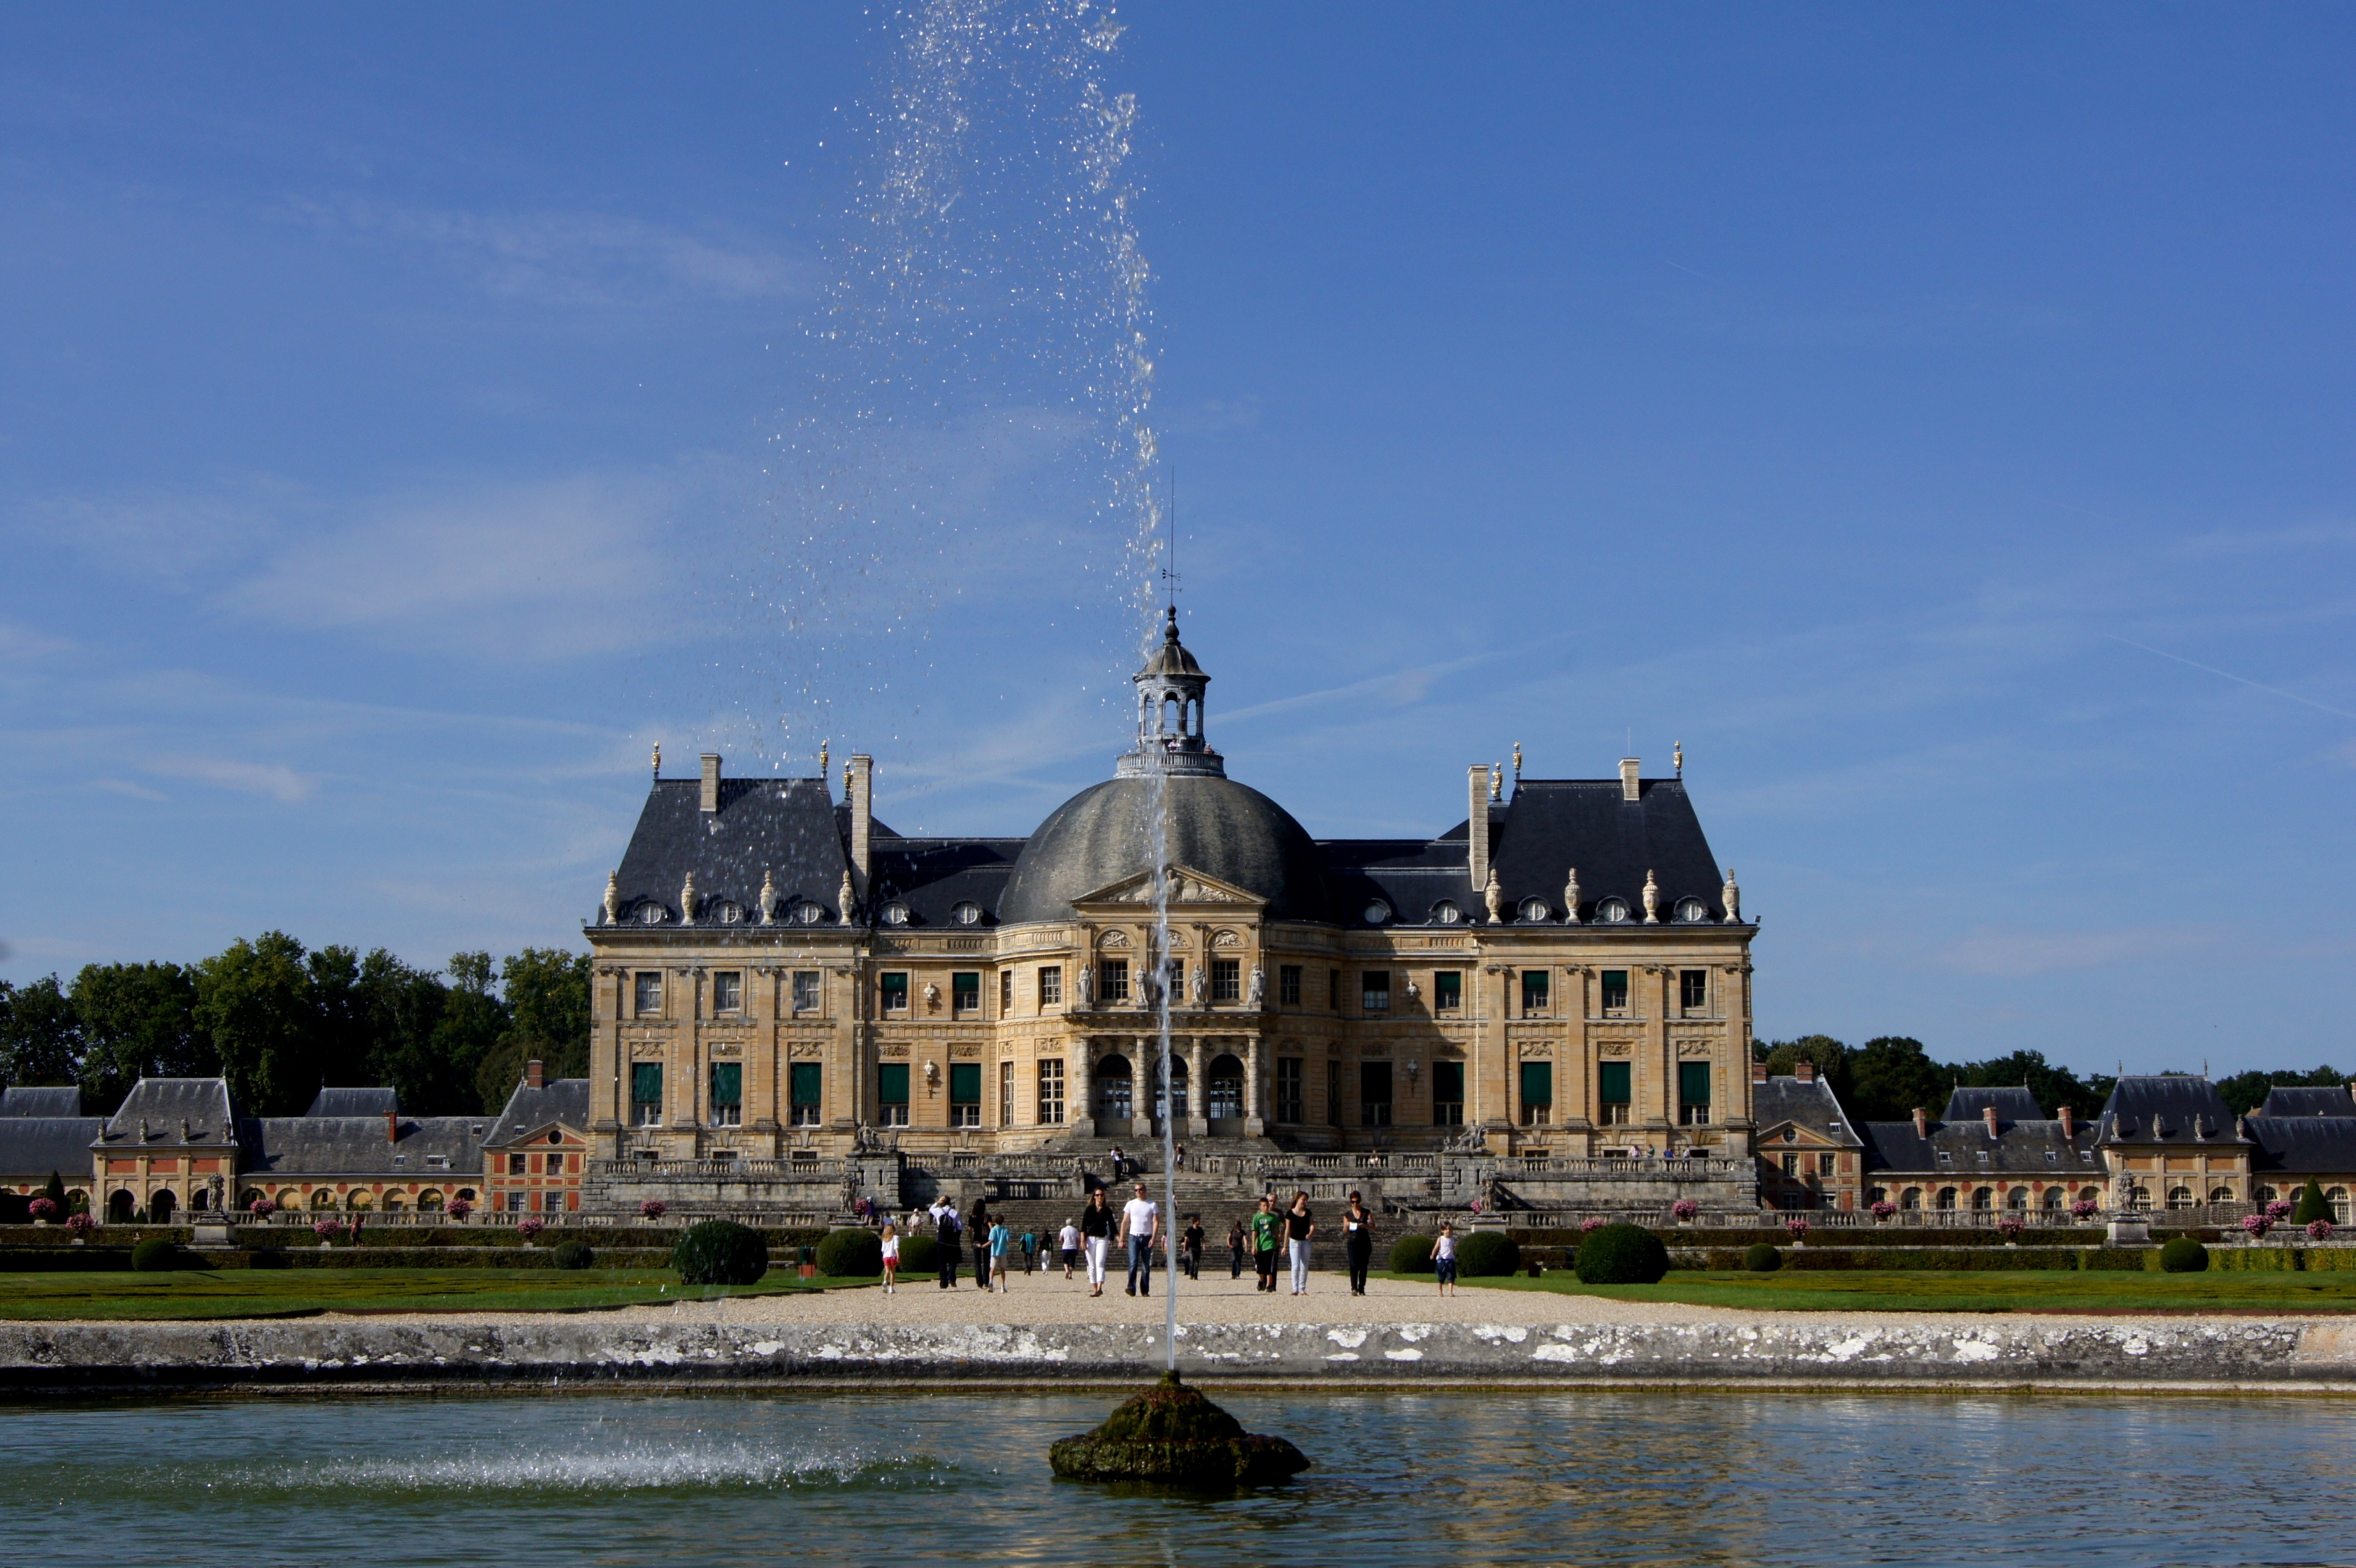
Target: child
891, 1257
1000, 1239
1443, 1259
1030, 1248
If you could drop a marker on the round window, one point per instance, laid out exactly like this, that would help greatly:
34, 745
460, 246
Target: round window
1445, 914
895, 914
729, 914
651, 913
967, 913
1535, 910
1692, 911
1612, 911
810, 913
1378, 913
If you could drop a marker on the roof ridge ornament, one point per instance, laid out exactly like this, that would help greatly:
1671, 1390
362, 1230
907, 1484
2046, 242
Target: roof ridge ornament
846, 897
1570, 896
613, 898
687, 901
1733, 894
768, 894
1652, 899
1493, 895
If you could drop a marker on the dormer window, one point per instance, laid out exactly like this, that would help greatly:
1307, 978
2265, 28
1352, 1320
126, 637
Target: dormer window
810, 913
1612, 911
1379, 912
1691, 912
1445, 914
895, 913
1535, 912
968, 913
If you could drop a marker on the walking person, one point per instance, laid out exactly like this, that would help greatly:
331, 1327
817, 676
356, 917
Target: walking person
1097, 1222
1299, 1227
1358, 1243
981, 1229
1266, 1229
948, 1233
1443, 1259
1235, 1250
1000, 1240
1029, 1249
1141, 1226
1190, 1245
1120, 1163
891, 1257
1067, 1241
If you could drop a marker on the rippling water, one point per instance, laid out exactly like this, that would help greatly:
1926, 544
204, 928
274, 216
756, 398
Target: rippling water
1447, 1478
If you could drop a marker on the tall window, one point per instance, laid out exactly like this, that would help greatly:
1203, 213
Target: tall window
1005, 993
1227, 980
1374, 1094
1288, 984
1693, 1093
1289, 1098
1612, 1093
891, 1090
1448, 991
727, 1094
648, 1001
1615, 990
1333, 1093
1693, 990
896, 993
1534, 991
645, 1094
1006, 1093
1112, 980
1447, 1094
1375, 990
1826, 1167
1051, 1094
804, 1087
1051, 985
805, 990
728, 991
965, 992
1537, 1094
965, 1094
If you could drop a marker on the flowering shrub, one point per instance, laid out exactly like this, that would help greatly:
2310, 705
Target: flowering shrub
2319, 1231
1592, 1222
1882, 1209
653, 1209
2011, 1226
2257, 1225
326, 1230
81, 1225
1799, 1228
1685, 1209
2085, 1207
262, 1209
459, 1208
42, 1208
529, 1226
2279, 1209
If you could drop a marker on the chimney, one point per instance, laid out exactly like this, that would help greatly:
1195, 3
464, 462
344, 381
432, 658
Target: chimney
393, 1126
1922, 1122
1759, 1073
710, 783
1628, 789
862, 815
1476, 855
2069, 1123
1805, 1071
1988, 1115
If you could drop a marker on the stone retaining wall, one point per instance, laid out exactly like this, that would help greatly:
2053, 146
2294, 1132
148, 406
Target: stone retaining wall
2151, 1355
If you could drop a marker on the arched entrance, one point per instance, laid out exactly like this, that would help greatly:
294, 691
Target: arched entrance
1174, 1102
1115, 1103
1225, 1095
160, 1204
119, 1207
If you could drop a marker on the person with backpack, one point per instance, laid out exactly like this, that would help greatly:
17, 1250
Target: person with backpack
949, 1234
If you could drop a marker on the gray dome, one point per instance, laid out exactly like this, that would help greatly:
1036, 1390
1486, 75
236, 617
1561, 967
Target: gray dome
1217, 826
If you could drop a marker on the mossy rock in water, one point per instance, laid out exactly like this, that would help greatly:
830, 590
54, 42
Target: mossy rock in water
1173, 1434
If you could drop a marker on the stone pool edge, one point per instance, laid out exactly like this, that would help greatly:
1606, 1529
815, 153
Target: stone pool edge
2198, 1355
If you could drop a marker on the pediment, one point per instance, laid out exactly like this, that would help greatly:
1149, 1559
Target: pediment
1189, 889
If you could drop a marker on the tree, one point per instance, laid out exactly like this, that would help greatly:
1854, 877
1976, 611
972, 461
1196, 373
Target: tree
138, 1020
2054, 1087
1829, 1057
2246, 1092
547, 993
255, 1009
40, 1040
401, 1008
1892, 1075
472, 1018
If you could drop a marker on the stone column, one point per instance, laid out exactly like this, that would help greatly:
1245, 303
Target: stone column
1198, 1106
1255, 1064
1081, 1110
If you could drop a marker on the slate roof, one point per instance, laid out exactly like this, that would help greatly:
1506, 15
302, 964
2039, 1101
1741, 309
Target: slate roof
1107, 832
560, 1100
32, 1146
1554, 825
2334, 1100
163, 1104
2303, 1145
2019, 1148
374, 1101
930, 877
2012, 1104
788, 828
1808, 1105
2171, 1108
63, 1100
285, 1146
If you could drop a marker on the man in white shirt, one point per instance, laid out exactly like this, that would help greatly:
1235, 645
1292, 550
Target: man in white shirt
1141, 1223
1067, 1241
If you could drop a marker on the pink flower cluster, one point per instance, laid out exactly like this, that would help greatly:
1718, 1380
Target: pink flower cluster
1591, 1222
2279, 1209
2257, 1225
459, 1208
326, 1230
262, 1209
1884, 1209
2010, 1226
2320, 1231
2085, 1207
1685, 1207
42, 1207
531, 1226
81, 1224
1798, 1228
653, 1209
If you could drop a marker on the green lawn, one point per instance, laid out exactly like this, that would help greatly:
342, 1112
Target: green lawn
1927, 1291
273, 1293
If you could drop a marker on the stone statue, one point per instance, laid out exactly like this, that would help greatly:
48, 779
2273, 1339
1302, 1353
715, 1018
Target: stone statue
1517, 764
658, 761
1088, 985
1733, 897
1570, 896
1258, 987
824, 766
217, 1187
1197, 988
768, 894
613, 898
1493, 895
846, 899
932, 995
862, 1139
1497, 781
687, 901
1652, 900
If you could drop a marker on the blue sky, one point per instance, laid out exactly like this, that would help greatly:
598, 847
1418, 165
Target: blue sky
1937, 420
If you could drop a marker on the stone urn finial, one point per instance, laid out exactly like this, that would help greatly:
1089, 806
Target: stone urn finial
1733, 897
1496, 781
1652, 900
687, 901
1570, 896
613, 898
1493, 895
846, 898
768, 894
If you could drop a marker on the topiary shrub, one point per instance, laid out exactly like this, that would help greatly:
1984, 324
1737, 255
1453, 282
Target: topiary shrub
573, 1254
851, 1254
154, 1255
1621, 1254
1486, 1254
720, 1251
1762, 1258
1411, 1255
919, 1254
2311, 1205
2184, 1255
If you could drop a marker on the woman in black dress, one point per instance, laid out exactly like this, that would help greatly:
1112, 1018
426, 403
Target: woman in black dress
1358, 1243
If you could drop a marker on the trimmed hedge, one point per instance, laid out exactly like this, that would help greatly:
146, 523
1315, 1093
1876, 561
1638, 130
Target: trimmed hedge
573, 1254
1411, 1255
1486, 1254
1762, 1257
721, 1252
1621, 1254
850, 1254
2184, 1255
919, 1254
156, 1255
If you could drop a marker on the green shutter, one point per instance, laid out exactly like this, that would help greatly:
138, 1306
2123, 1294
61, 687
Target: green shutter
1537, 1082
727, 1083
646, 1083
965, 1083
1612, 1081
806, 1078
1693, 1082
892, 1084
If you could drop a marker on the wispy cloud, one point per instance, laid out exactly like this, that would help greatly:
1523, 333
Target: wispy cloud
137, 792
280, 782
